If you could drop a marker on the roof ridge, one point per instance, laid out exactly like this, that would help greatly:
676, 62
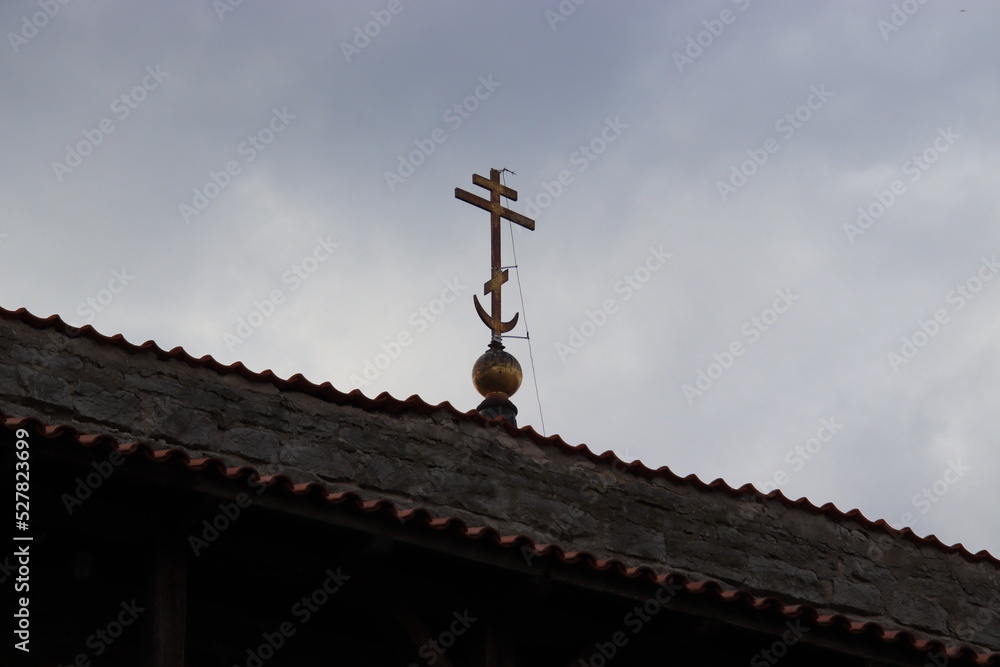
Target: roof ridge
421, 515
387, 403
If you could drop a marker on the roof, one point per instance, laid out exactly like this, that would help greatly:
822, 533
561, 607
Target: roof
386, 403
381, 510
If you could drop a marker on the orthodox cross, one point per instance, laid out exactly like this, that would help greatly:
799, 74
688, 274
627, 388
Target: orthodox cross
499, 276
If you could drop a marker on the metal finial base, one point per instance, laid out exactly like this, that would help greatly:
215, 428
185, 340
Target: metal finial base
498, 406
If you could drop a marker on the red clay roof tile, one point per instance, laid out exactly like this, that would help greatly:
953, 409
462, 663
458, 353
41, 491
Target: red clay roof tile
421, 517
388, 404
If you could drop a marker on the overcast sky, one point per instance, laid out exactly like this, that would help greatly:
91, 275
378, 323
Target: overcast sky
757, 224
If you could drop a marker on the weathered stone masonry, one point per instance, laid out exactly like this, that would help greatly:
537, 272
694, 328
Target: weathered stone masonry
484, 474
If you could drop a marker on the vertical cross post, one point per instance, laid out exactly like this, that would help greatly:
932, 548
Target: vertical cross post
498, 276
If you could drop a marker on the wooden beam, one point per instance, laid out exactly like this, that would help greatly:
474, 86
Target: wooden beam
497, 648
168, 604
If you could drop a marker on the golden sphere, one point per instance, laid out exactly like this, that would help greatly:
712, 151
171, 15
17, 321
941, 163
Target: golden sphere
496, 373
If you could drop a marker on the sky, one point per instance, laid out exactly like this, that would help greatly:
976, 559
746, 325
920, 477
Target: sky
766, 233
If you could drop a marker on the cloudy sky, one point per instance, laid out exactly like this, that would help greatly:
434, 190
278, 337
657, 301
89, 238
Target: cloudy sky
766, 233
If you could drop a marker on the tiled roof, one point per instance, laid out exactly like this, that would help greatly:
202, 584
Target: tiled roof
421, 519
388, 404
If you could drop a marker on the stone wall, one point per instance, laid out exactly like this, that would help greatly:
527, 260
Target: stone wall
456, 466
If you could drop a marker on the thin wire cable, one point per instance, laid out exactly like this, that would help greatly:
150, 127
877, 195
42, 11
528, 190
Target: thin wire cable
517, 273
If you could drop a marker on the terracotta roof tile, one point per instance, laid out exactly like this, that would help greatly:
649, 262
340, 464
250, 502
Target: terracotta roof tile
422, 518
388, 404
